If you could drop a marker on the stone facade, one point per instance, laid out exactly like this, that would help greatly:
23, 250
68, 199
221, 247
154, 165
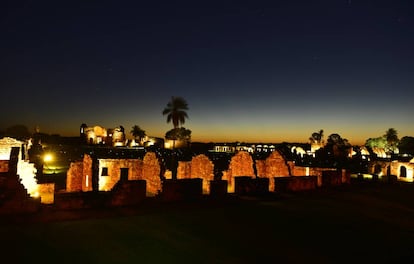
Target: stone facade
241, 164
74, 177
14, 197
403, 170
110, 171
47, 193
87, 173
202, 167
184, 170
152, 173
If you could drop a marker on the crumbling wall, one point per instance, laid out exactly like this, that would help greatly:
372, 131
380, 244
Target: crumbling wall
241, 164
47, 193
202, 167
184, 170
14, 195
74, 177
87, 173
113, 173
151, 173
276, 165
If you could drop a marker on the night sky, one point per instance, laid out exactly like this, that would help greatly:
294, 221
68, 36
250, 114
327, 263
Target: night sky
250, 71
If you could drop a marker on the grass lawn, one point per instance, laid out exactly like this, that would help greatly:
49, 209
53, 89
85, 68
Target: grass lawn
357, 224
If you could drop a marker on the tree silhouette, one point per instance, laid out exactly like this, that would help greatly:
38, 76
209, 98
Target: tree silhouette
391, 135
137, 132
317, 137
176, 111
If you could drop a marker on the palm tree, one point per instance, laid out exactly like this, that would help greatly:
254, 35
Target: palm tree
317, 137
176, 111
137, 132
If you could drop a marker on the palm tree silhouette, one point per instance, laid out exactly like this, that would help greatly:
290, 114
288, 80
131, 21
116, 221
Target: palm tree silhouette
137, 132
176, 111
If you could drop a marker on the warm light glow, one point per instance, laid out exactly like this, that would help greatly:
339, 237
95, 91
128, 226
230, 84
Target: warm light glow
48, 157
103, 183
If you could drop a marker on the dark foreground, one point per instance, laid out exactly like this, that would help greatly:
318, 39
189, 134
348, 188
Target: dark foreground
361, 223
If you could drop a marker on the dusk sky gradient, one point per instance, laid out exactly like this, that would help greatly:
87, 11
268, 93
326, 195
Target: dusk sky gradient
251, 71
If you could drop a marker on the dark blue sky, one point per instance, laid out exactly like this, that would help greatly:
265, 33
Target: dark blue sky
250, 70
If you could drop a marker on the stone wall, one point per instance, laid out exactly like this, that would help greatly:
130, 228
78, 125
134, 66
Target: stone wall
113, 167
74, 177
403, 170
311, 171
241, 164
275, 165
87, 173
184, 170
47, 193
151, 173
202, 167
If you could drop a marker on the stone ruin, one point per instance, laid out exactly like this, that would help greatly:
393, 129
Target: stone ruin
113, 177
14, 161
273, 166
200, 166
107, 172
14, 197
241, 164
151, 172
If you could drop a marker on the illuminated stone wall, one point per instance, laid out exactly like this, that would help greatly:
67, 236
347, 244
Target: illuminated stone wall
96, 134
184, 170
87, 173
6, 144
311, 171
403, 170
74, 177
15, 197
241, 164
25, 170
47, 193
79, 176
151, 173
275, 165
202, 167
113, 166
